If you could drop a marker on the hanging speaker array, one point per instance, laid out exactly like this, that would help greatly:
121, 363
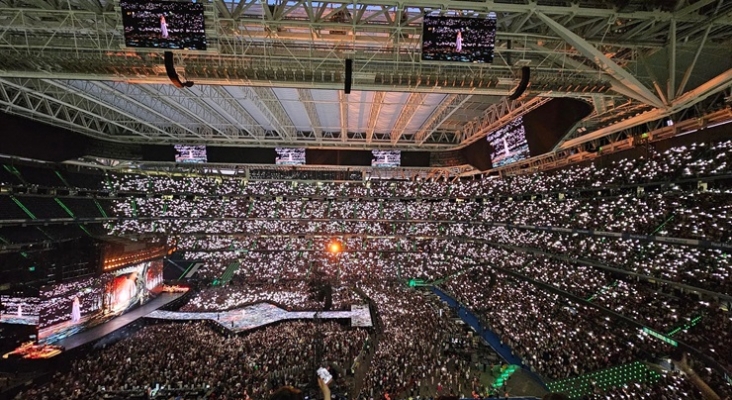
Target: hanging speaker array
172, 74
349, 76
525, 76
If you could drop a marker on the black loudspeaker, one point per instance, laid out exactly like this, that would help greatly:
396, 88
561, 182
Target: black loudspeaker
172, 75
525, 76
349, 76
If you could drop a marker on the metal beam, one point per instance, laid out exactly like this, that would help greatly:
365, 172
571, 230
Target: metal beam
343, 112
187, 105
241, 117
447, 107
603, 62
272, 108
376, 105
693, 8
22, 101
306, 98
688, 99
687, 73
671, 84
89, 105
117, 90
406, 115
712, 86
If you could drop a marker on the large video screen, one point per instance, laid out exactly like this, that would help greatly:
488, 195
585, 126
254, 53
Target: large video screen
70, 301
509, 143
132, 285
461, 39
70, 307
287, 156
190, 154
163, 24
19, 310
386, 158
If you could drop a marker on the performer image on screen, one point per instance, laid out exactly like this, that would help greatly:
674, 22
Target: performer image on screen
459, 42
163, 27
75, 310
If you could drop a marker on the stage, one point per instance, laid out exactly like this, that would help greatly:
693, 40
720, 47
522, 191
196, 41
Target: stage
261, 314
112, 325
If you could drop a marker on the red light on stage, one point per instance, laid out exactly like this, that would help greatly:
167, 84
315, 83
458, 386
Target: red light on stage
335, 247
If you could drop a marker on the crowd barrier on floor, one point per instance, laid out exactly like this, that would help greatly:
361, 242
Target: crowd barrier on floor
490, 337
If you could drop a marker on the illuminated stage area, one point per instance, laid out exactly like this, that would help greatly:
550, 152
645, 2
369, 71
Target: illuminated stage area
100, 331
33, 351
69, 308
258, 315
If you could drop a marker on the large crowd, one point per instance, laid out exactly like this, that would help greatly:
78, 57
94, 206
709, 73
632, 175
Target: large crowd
671, 386
273, 235
193, 355
677, 163
421, 350
555, 337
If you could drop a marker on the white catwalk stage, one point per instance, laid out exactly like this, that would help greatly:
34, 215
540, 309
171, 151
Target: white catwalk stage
257, 315
100, 331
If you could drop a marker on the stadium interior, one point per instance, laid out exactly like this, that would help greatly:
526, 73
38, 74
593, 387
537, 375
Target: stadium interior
390, 200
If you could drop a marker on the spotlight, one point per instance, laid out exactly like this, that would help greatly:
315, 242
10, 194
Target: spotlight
335, 246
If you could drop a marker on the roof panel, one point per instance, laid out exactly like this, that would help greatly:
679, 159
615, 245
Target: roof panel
328, 109
295, 108
423, 112
359, 109
392, 108
109, 96
249, 106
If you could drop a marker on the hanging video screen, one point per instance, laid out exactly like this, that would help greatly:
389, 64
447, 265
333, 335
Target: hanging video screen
461, 39
509, 143
386, 158
287, 156
190, 154
163, 24
71, 307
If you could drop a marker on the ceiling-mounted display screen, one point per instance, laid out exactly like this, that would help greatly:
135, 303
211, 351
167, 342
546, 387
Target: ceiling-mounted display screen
537, 132
386, 158
461, 39
287, 156
190, 154
163, 24
509, 143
